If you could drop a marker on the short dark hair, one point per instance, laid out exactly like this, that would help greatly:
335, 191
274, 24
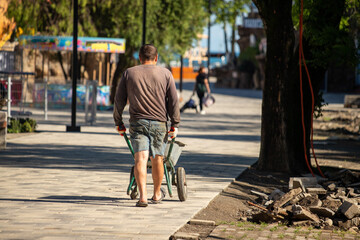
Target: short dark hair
201, 68
148, 52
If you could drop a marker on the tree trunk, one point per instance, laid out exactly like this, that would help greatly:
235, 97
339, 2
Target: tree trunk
225, 40
281, 132
232, 55
62, 65
124, 62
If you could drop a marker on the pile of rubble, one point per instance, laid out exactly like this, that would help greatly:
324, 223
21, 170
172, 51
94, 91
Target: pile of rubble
343, 121
319, 202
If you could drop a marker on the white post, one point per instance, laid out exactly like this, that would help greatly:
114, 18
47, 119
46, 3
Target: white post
94, 103
46, 99
87, 97
9, 98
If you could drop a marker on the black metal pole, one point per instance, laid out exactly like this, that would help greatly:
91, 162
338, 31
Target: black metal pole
144, 23
209, 25
73, 127
181, 73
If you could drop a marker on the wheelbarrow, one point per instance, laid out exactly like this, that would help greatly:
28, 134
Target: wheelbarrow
174, 177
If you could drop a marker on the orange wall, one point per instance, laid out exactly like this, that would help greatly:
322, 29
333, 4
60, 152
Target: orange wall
188, 73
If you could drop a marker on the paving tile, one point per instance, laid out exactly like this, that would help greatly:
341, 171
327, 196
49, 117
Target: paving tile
64, 184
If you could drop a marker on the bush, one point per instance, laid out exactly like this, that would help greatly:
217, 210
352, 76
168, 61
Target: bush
21, 125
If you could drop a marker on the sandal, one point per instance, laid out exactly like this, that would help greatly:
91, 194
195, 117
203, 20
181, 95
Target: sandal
141, 204
163, 194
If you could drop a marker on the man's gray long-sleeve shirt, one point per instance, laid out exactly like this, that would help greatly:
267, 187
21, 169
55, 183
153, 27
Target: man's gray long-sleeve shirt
152, 95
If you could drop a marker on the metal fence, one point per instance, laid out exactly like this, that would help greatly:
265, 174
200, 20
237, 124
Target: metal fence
13, 90
7, 61
17, 91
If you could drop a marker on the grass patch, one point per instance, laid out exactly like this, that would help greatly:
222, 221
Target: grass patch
273, 229
20, 125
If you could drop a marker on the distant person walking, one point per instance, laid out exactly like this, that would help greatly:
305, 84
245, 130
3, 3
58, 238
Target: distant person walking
152, 96
201, 87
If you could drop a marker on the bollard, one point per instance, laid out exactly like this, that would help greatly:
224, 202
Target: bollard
9, 98
46, 99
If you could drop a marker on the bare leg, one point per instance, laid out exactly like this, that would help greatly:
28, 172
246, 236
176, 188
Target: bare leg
140, 172
157, 175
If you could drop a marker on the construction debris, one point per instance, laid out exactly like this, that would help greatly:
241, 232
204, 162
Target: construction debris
324, 203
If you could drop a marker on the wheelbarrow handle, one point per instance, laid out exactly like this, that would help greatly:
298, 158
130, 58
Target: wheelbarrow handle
129, 144
170, 148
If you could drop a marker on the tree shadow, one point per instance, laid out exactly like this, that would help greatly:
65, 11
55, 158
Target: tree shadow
88, 200
247, 93
111, 159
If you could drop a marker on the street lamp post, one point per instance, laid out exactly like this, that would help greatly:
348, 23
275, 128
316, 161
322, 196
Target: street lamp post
208, 43
144, 24
73, 127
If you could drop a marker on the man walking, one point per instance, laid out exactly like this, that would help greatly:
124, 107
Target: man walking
152, 96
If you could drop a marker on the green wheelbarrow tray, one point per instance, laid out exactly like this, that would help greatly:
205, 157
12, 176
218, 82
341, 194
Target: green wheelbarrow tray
173, 177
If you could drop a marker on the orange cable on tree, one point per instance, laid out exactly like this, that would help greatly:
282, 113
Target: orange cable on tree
301, 91
312, 114
302, 57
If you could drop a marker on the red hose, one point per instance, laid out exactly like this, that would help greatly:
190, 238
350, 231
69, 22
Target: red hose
302, 59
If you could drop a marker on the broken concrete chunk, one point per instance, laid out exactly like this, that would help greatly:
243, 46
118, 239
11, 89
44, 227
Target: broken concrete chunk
282, 211
287, 197
303, 214
276, 194
187, 236
316, 190
340, 192
351, 192
302, 223
322, 211
302, 182
349, 209
299, 197
260, 194
328, 222
346, 224
296, 183
310, 201
332, 204
263, 217
354, 230
352, 200
267, 203
331, 187
201, 222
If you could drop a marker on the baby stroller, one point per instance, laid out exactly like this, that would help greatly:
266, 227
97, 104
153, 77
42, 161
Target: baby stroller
188, 104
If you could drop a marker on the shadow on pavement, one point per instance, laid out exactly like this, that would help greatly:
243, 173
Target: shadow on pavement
248, 93
89, 200
90, 158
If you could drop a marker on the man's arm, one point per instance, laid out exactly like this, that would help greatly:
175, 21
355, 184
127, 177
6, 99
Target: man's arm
120, 101
173, 104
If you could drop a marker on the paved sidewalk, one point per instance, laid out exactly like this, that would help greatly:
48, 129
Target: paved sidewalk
60, 185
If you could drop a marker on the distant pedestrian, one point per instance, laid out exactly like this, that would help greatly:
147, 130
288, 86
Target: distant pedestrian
152, 96
201, 87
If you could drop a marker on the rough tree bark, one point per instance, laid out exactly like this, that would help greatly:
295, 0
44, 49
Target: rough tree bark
281, 130
281, 133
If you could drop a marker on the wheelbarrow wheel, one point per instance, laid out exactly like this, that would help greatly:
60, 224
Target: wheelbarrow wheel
181, 184
134, 193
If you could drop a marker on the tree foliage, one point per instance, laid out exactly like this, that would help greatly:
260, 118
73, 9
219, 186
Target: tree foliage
228, 10
325, 36
329, 30
172, 25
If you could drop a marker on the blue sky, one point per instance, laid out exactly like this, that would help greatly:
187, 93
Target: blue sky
217, 43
